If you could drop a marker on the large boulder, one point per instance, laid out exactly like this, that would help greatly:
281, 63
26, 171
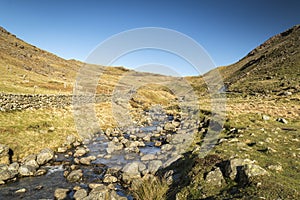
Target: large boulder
45, 156
4, 154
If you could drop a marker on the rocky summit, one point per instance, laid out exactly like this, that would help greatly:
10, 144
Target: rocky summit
148, 141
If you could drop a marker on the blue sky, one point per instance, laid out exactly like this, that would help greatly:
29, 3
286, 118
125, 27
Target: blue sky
227, 30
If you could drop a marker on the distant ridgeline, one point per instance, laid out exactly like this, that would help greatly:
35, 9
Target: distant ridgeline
15, 102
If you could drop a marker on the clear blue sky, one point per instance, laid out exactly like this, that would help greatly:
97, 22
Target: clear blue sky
227, 30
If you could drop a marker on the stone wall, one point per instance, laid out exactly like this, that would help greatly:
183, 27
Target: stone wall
15, 102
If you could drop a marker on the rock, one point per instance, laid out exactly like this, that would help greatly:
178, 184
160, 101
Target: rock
246, 172
277, 168
148, 157
166, 147
215, 177
40, 172
62, 149
27, 170
80, 194
109, 179
282, 120
158, 143
147, 138
232, 166
4, 154
113, 147
75, 176
5, 173
71, 139
44, 156
13, 168
23, 190
154, 166
85, 161
169, 127
61, 193
131, 171
265, 117
95, 185
80, 151
30, 160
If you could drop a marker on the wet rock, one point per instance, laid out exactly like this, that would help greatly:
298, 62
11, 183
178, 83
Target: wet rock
80, 151
87, 160
95, 185
154, 166
148, 157
215, 177
113, 147
40, 172
61, 193
109, 179
80, 194
75, 176
44, 156
27, 170
158, 143
282, 120
4, 154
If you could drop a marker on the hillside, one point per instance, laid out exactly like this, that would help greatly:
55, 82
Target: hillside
271, 68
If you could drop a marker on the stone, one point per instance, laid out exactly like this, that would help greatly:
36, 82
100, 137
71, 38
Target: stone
61, 193
154, 166
282, 120
148, 157
75, 176
4, 154
30, 160
265, 117
113, 147
27, 170
22, 190
80, 151
109, 179
276, 168
215, 177
95, 185
246, 172
131, 171
233, 165
40, 172
169, 127
5, 173
44, 156
62, 149
13, 168
80, 194
71, 139
85, 161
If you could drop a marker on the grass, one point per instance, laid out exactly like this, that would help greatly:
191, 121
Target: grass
150, 189
29, 131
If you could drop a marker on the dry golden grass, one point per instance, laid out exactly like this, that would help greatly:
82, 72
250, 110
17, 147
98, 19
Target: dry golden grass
150, 189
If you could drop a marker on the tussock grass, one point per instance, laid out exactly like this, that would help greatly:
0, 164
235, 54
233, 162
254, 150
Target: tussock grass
150, 189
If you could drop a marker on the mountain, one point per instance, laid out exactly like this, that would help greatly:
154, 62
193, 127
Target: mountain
271, 68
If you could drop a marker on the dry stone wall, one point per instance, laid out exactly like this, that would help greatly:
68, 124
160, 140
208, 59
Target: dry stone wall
17, 102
